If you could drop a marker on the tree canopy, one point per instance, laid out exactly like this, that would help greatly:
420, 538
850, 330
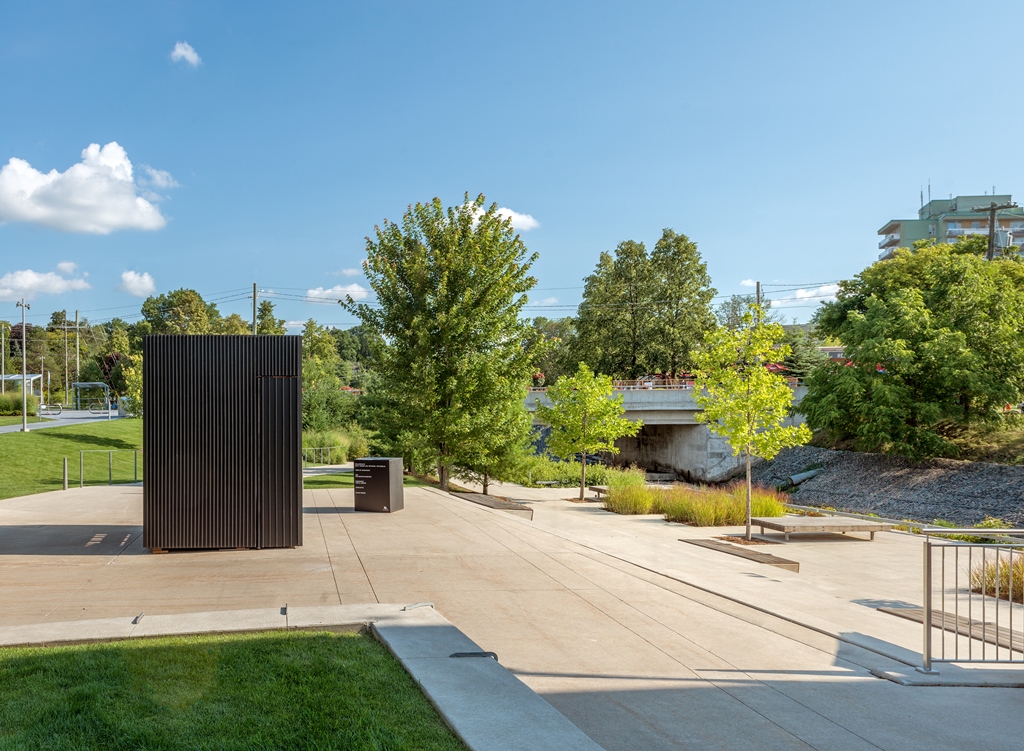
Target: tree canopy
585, 418
740, 398
449, 347
643, 313
935, 337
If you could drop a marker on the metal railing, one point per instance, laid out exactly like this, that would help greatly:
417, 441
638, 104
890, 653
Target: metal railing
317, 456
973, 595
110, 463
50, 409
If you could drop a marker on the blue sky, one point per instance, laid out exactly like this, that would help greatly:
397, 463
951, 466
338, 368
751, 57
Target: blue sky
778, 136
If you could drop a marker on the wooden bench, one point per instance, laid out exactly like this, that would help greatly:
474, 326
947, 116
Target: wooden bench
751, 555
840, 524
499, 504
599, 490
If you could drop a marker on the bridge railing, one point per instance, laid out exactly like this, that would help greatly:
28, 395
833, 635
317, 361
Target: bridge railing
681, 384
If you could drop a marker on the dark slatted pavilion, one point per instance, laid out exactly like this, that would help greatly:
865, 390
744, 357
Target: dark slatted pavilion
222, 441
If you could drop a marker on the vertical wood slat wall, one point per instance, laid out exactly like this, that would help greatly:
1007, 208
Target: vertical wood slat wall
222, 440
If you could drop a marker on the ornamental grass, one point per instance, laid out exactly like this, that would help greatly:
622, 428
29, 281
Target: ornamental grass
721, 506
1003, 579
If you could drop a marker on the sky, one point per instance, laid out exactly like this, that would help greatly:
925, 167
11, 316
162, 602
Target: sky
149, 146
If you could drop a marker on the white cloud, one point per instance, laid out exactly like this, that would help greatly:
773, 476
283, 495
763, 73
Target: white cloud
748, 283
338, 292
95, 196
184, 52
27, 283
521, 222
548, 301
140, 285
159, 178
67, 267
294, 324
350, 272
824, 293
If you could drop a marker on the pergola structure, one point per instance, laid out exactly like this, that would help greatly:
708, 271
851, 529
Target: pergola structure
31, 377
79, 385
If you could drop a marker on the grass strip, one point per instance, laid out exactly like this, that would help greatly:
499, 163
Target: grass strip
33, 462
317, 690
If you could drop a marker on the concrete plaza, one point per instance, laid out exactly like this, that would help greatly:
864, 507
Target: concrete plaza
642, 641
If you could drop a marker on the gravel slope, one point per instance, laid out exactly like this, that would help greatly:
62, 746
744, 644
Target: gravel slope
962, 492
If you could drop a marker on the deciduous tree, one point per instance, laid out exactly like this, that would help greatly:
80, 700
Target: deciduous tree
740, 398
935, 339
448, 341
585, 418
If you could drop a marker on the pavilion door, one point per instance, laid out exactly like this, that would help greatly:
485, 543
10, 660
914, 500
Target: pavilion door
279, 465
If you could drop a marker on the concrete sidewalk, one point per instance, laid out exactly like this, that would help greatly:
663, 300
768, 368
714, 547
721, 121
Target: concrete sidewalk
634, 658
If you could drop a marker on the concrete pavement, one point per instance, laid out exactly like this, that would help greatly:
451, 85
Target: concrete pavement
590, 610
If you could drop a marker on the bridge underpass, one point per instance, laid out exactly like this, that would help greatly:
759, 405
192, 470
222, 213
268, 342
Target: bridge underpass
671, 439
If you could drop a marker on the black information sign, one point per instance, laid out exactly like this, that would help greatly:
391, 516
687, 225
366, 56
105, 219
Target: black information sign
378, 483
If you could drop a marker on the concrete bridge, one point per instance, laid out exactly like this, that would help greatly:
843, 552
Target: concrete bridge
671, 439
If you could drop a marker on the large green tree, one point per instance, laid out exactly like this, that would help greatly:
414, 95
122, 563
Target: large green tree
182, 311
614, 324
267, 323
643, 313
935, 339
448, 340
740, 399
682, 305
585, 418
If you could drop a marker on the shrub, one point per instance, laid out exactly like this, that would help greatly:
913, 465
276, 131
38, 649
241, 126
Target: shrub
536, 469
10, 404
323, 439
989, 522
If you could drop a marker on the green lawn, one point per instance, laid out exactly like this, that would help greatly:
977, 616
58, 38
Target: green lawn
319, 482
315, 690
16, 420
33, 462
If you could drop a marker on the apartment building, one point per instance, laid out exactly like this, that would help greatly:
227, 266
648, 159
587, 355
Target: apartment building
947, 219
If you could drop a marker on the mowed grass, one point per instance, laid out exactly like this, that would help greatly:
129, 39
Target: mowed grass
16, 420
316, 690
347, 480
33, 462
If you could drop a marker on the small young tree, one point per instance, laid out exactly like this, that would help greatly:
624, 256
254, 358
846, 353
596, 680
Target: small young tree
584, 417
133, 386
739, 397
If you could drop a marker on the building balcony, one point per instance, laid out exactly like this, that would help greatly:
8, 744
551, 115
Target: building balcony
965, 231
889, 240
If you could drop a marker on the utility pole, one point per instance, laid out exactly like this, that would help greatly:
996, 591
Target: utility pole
992, 208
77, 353
24, 367
254, 308
65, 355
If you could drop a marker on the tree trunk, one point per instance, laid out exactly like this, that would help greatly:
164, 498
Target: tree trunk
442, 475
748, 491
485, 483
583, 474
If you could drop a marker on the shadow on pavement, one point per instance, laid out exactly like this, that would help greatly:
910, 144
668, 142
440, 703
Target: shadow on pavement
67, 539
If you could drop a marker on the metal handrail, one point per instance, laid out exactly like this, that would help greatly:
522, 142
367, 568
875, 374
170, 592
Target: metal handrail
317, 453
110, 463
997, 562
